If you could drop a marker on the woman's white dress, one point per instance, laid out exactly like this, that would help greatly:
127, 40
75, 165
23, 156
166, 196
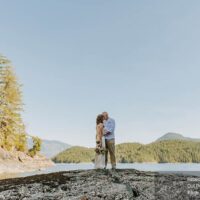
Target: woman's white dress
100, 159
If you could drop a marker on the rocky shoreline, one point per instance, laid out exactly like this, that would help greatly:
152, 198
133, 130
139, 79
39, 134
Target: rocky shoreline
100, 184
16, 162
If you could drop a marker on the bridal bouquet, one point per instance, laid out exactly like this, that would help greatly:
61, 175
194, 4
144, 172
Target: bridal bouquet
100, 150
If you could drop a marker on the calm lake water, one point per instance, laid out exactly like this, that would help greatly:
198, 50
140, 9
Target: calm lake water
186, 168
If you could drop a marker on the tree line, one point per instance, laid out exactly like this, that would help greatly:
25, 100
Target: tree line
170, 151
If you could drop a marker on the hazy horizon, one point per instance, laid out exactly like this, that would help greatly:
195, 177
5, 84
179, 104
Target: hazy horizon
138, 60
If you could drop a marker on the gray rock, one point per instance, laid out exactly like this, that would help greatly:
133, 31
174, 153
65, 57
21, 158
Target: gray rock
97, 185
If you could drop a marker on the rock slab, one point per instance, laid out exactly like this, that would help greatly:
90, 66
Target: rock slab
99, 184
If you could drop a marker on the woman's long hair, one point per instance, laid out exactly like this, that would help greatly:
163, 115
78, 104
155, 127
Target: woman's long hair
99, 119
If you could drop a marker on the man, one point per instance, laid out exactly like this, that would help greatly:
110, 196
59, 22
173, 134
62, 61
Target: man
109, 133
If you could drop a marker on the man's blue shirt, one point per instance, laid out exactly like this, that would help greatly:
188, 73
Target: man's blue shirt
109, 126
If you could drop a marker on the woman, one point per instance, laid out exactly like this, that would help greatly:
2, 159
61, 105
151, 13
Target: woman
100, 144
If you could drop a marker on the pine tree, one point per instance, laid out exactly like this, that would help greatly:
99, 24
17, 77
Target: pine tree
36, 146
12, 129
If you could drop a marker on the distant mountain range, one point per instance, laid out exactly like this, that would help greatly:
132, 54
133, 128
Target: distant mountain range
176, 136
50, 148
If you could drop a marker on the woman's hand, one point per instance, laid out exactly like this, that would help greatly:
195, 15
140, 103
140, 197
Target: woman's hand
99, 144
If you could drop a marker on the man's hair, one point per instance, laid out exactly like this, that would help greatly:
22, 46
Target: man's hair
104, 112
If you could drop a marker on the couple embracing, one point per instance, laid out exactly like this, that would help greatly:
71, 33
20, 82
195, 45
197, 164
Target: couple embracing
105, 141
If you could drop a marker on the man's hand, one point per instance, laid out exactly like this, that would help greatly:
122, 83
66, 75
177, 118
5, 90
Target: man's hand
107, 133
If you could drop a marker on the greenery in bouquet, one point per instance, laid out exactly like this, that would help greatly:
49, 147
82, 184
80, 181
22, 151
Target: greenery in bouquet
100, 150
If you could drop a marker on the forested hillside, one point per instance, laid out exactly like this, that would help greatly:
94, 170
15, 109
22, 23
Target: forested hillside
161, 152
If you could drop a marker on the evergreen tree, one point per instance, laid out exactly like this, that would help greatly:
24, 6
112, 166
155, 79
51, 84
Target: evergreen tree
36, 146
12, 129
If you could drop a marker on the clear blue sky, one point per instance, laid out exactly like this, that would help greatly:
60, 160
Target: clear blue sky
138, 60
